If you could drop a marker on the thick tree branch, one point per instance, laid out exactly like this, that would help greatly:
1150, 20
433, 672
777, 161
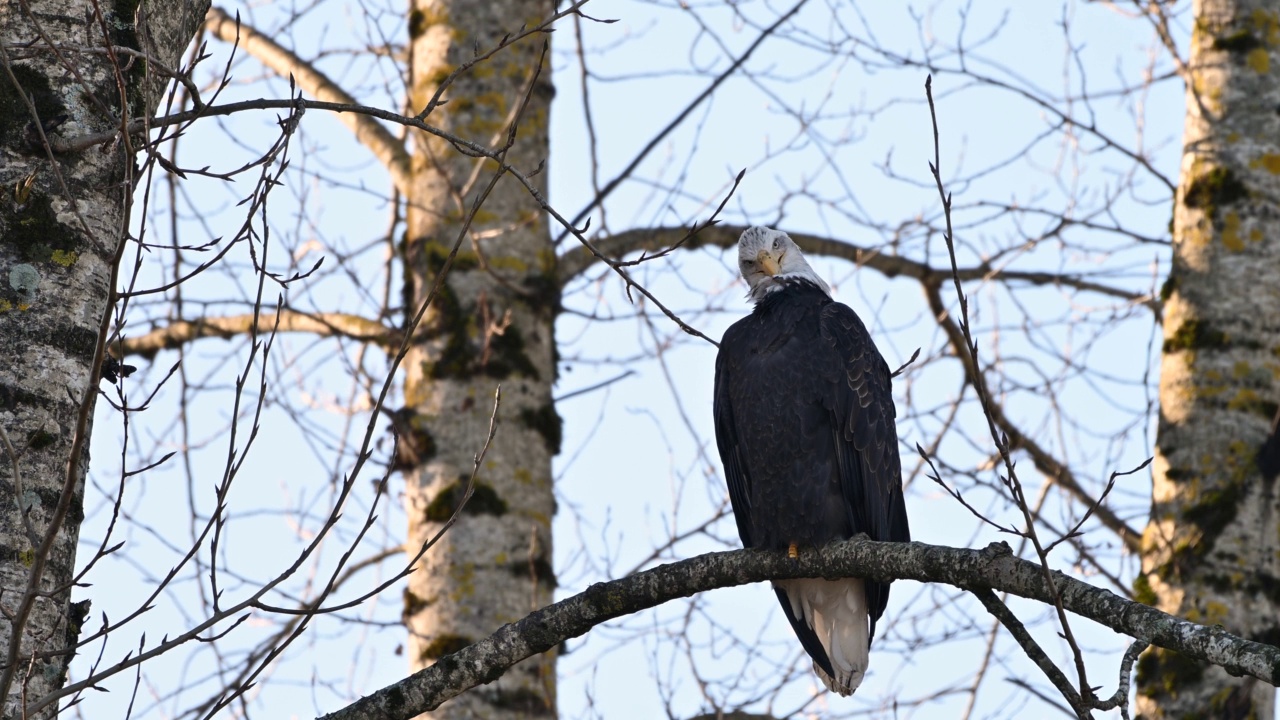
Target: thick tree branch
994, 567
578, 260
181, 332
368, 131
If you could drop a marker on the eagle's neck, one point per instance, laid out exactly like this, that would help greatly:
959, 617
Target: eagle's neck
772, 285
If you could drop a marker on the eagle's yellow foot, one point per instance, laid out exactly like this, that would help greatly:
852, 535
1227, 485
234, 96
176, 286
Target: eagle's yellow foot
793, 552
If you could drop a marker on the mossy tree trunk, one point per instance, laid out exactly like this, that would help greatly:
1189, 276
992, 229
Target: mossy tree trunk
491, 323
1211, 552
63, 215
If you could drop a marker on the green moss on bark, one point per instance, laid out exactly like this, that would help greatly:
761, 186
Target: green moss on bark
464, 355
1142, 591
484, 501
539, 570
1194, 335
1249, 401
544, 294
546, 422
1162, 671
421, 20
123, 24
1269, 636
1214, 189
417, 24
12, 397
508, 357
415, 445
413, 604
526, 702
41, 439
34, 231
1214, 510
15, 116
1238, 42
444, 645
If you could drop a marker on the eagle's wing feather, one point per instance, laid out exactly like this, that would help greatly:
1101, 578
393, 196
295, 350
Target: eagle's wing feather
867, 442
727, 442
804, 420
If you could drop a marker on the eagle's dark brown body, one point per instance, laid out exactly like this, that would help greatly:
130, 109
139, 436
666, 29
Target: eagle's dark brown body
804, 421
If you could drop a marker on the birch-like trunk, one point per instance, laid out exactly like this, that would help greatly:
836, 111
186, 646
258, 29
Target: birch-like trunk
61, 222
491, 323
1211, 552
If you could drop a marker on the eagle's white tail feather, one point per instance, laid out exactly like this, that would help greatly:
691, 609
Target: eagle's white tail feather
836, 610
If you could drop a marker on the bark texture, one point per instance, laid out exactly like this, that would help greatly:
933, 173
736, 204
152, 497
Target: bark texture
62, 217
992, 568
491, 322
1211, 552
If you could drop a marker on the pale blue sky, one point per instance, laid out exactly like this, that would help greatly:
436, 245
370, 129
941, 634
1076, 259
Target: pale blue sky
632, 471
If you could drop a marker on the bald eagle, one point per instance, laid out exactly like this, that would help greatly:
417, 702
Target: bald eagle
805, 427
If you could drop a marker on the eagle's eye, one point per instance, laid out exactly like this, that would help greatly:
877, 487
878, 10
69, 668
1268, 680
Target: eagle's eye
776, 243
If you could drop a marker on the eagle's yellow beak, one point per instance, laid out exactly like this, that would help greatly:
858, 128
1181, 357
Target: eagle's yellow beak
767, 262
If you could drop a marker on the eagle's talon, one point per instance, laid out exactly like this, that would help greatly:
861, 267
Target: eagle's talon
793, 552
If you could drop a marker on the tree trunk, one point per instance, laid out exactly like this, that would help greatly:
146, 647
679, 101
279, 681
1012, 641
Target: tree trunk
61, 222
490, 324
1211, 551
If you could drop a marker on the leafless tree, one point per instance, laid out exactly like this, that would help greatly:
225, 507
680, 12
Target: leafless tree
329, 365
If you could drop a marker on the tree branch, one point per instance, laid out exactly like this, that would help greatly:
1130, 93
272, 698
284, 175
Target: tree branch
1033, 650
679, 119
578, 260
368, 131
181, 332
994, 567
1045, 462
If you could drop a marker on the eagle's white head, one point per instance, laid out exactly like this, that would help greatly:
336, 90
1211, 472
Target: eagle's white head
768, 258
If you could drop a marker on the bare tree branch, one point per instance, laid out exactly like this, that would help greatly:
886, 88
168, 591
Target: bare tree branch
994, 567
369, 132
576, 261
1033, 650
181, 332
678, 120
1057, 472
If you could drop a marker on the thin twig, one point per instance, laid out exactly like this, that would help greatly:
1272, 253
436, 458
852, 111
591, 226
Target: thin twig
678, 120
1121, 697
1000, 439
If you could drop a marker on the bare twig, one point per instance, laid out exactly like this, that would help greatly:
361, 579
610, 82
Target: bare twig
677, 121
368, 132
1121, 697
1000, 440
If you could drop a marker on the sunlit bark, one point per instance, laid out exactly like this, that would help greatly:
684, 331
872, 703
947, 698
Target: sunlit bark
1211, 552
490, 323
62, 218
